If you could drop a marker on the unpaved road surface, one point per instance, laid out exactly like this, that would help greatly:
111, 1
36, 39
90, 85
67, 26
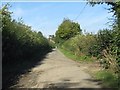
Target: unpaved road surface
56, 70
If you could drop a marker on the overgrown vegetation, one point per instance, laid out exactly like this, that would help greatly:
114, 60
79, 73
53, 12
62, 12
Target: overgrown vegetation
20, 47
111, 51
71, 55
105, 45
20, 43
108, 79
80, 44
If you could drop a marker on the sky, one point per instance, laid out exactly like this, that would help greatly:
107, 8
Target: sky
47, 16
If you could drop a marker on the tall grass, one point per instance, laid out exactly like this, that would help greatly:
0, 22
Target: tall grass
71, 55
108, 79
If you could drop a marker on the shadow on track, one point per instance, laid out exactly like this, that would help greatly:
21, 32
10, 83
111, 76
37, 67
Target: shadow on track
12, 71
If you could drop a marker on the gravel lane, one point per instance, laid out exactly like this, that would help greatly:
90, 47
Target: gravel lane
58, 71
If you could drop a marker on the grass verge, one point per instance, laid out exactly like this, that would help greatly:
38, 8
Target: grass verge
82, 58
108, 79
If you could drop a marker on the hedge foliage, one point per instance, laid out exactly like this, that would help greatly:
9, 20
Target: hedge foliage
19, 42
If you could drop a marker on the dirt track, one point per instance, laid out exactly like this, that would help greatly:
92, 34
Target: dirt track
56, 70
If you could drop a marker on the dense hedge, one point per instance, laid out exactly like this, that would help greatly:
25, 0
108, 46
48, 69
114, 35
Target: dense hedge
19, 42
80, 44
22, 48
102, 45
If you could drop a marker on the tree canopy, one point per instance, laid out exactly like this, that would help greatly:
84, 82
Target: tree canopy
115, 7
67, 29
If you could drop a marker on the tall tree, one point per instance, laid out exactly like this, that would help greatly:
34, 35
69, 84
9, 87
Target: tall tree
67, 29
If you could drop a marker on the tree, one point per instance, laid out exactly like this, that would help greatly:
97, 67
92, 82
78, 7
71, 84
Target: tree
111, 39
40, 33
115, 7
67, 29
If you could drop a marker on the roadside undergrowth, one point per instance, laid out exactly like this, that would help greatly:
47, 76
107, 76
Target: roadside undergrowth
80, 58
107, 78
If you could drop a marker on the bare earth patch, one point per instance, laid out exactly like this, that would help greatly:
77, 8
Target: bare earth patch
56, 70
